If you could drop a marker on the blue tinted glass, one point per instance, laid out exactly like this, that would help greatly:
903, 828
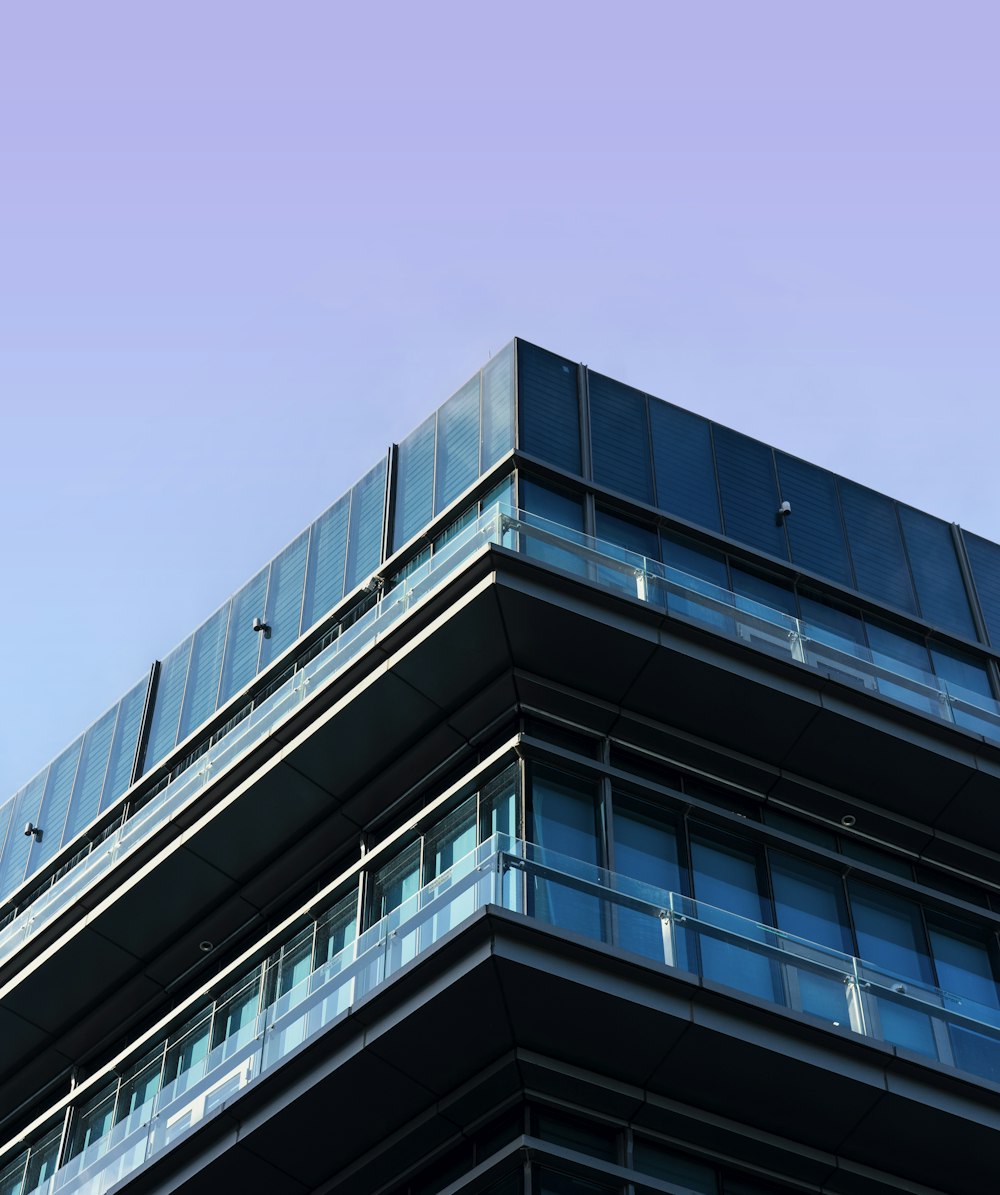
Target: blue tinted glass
709, 604
749, 491
457, 445
764, 591
15, 852
364, 544
831, 625
90, 777
414, 483
167, 703
964, 673
934, 565
809, 902
284, 599
725, 876
549, 424
685, 471
619, 438
557, 507
876, 546
498, 407
126, 740
906, 656
55, 804
242, 641
327, 561
962, 959
890, 937
696, 559
984, 560
646, 850
815, 529
204, 671
890, 933
627, 534
564, 820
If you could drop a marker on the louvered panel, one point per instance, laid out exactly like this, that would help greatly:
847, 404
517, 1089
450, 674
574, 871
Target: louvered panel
457, 445
749, 492
619, 438
364, 547
876, 546
684, 468
327, 562
984, 560
549, 422
936, 575
414, 483
815, 528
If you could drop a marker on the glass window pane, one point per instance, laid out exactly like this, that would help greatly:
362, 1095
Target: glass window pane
186, 1052
833, 626
42, 1161
560, 508
500, 805
236, 1014
12, 1177
498, 407
890, 933
167, 703
645, 844
138, 1092
769, 592
565, 823
327, 562
815, 528
450, 840
626, 534
660, 1161
749, 491
396, 881
457, 445
936, 575
549, 425
284, 599
966, 679
91, 1122
204, 671
242, 641
684, 465
414, 483
876, 545
619, 438
726, 877
336, 929
690, 563
891, 938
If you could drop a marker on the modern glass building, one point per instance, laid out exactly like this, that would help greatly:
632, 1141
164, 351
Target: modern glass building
592, 799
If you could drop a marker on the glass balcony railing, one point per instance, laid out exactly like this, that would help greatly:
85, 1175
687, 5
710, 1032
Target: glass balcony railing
680, 595
160, 1101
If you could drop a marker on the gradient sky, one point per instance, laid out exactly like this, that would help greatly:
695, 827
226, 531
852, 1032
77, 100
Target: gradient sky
244, 246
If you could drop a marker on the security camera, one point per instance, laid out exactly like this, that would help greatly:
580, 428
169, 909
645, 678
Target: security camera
784, 510
33, 831
262, 627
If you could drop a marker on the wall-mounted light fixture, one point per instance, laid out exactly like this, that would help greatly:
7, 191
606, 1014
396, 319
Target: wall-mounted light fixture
262, 627
33, 831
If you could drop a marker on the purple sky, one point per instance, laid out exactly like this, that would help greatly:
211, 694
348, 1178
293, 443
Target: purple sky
243, 246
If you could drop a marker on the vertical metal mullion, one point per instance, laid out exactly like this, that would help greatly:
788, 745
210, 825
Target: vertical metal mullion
389, 501
145, 723
718, 495
583, 413
775, 473
975, 605
482, 419
64, 1136
434, 467
187, 677
909, 568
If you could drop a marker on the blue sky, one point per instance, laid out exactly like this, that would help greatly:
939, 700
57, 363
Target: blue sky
243, 247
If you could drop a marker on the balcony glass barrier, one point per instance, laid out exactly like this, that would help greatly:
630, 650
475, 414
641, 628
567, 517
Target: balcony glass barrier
680, 595
174, 1087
